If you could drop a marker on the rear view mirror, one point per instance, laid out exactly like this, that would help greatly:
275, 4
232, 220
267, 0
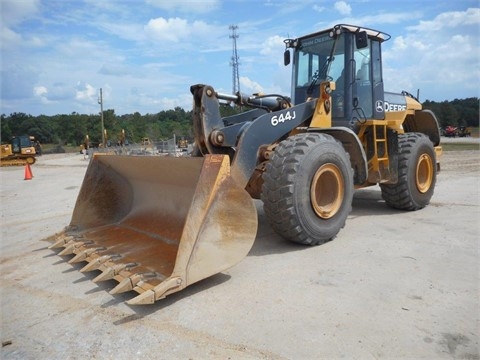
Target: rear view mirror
286, 57
361, 39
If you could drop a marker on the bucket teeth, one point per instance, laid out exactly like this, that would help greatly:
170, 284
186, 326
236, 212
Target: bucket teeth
70, 248
95, 264
105, 275
129, 283
125, 285
112, 271
145, 298
157, 293
61, 242
83, 255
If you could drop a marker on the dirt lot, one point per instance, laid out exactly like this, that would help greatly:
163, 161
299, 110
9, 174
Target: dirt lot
391, 285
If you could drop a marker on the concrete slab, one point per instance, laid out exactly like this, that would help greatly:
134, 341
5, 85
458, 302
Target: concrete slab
392, 284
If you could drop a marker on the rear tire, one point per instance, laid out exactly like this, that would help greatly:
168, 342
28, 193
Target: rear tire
308, 188
417, 174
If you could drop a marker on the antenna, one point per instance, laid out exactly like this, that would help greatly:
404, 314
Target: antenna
235, 63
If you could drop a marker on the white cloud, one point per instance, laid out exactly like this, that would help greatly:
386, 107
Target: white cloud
450, 19
381, 18
343, 8
174, 29
190, 6
9, 38
52, 93
85, 92
182, 100
274, 45
14, 11
77, 48
156, 102
399, 43
40, 90
249, 86
436, 54
420, 46
167, 29
128, 31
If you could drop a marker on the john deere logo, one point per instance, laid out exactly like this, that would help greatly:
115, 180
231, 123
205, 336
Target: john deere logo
386, 106
394, 107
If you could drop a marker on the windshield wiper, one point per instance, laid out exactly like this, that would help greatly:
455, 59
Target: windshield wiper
323, 70
317, 75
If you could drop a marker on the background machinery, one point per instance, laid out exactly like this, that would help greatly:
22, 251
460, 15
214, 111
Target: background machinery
20, 151
159, 224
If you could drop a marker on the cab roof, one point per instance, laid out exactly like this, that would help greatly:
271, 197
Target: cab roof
338, 29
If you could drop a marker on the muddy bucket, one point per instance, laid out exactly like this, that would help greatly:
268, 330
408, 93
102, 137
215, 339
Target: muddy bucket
158, 224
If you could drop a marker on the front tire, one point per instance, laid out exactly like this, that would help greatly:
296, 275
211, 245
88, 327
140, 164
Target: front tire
308, 188
417, 174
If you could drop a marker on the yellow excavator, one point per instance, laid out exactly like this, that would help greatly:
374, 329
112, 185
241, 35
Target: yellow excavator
20, 151
159, 224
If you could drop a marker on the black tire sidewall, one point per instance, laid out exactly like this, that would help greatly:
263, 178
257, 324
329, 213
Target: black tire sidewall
321, 153
422, 146
290, 173
404, 194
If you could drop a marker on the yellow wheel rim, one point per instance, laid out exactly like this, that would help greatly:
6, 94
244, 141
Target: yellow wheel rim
327, 191
424, 173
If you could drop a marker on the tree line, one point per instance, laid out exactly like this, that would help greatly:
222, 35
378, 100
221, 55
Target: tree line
71, 129
459, 112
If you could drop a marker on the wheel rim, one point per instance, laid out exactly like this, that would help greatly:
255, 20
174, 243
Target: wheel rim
424, 173
327, 191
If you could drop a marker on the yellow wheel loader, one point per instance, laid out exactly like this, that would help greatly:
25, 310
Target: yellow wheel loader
20, 151
159, 224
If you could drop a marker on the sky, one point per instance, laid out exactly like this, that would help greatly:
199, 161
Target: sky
145, 54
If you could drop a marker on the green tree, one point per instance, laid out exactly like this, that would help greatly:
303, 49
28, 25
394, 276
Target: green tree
72, 128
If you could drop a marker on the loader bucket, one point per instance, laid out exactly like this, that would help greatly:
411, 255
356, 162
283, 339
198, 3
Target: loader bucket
158, 224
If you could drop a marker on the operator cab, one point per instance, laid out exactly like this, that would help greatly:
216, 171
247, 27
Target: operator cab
351, 57
20, 143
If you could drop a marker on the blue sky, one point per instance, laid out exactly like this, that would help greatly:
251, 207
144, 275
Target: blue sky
145, 54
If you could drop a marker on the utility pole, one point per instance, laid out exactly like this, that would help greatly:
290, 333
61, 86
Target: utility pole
235, 63
100, 101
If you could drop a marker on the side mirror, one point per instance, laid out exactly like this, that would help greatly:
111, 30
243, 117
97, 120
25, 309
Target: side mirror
361, 39
286, 57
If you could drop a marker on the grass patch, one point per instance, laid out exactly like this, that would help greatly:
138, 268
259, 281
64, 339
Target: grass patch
459, 146
474, 131
58, 149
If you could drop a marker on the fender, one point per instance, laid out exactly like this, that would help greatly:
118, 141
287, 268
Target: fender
351, 144
424, 121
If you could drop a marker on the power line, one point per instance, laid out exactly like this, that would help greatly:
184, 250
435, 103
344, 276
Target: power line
234, 63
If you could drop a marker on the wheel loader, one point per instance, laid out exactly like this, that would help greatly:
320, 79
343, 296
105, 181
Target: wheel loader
20, 151
159, 224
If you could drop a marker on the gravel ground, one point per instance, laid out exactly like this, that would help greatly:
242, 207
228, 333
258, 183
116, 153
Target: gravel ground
392, 284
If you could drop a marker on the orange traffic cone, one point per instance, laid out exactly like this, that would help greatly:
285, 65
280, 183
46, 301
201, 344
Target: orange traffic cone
28, 172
